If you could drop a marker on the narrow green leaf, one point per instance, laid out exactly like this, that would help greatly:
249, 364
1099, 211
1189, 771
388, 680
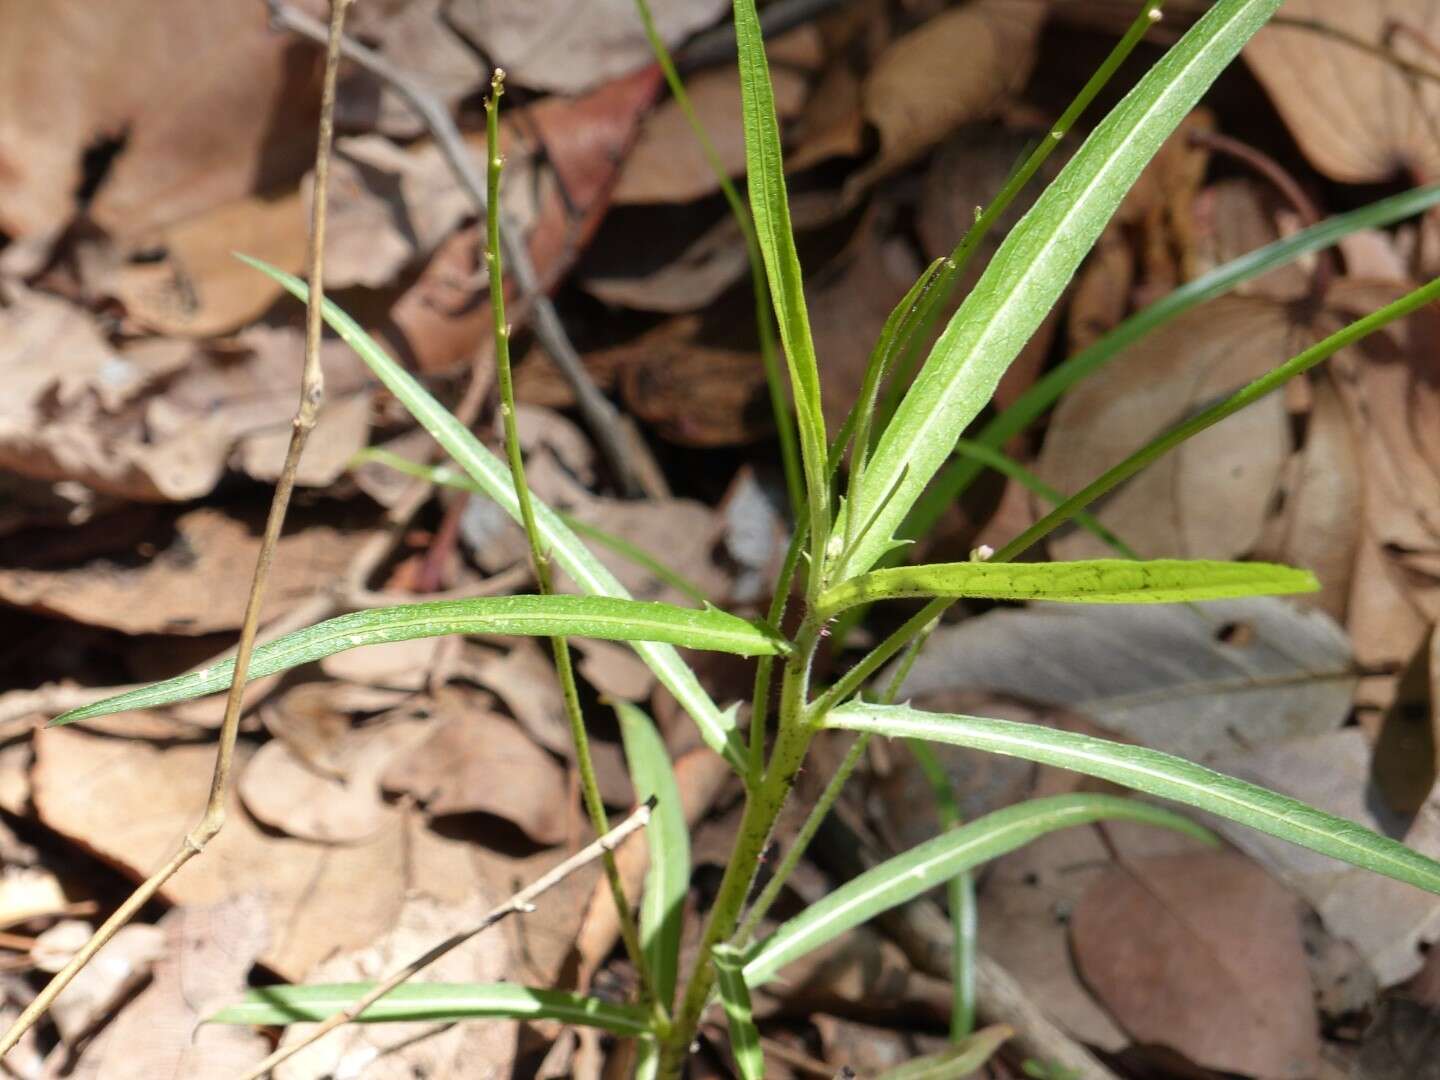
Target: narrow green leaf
449, 476
1156, 774
1088, 581
662, 907
716, 727
544, 616
735, 996
920, 869
277, 1005
765, 176
1033, 266
954, 1062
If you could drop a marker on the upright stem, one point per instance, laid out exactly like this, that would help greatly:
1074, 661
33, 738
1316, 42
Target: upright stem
544, 577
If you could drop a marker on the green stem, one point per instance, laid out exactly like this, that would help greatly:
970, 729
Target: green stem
764, 669
544, 578
765, 327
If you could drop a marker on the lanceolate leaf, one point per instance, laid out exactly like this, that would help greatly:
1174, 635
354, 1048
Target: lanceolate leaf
735, 996
545, 616
277, 1005
1033, 266
1156, 774
1093, 581
765, 176
662, 906
492, 474
920, 869
965, 1058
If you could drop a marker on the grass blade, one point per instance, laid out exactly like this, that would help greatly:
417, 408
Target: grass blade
662, 909
955, 1062
545, 616
1086, 581
917, 871
765, 176
278, 1005
717, 727
1033, 266
735, 996
1154, 773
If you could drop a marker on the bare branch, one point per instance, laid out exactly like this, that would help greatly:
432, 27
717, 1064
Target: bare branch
522, 902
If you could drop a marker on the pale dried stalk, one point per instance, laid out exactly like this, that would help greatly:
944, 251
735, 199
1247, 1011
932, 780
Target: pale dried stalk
312, 392
522, 902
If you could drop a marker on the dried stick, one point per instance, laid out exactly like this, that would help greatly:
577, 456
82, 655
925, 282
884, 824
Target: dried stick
312, 392
633, 464
523, 901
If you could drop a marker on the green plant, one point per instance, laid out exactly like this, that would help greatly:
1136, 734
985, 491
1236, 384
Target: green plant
839, 540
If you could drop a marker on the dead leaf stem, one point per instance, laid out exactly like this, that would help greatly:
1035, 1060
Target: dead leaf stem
634, 466
312, 392
522, 902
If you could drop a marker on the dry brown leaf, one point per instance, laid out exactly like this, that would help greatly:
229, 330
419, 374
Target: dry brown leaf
524, 679
484, 1050
440, 320
1234, 217
1358, 117
186, 573
831, 124
668, 164
689, 280
1387, 921
473, 761
76, 75
954, 69
112, 976
183, 279
1202, 953
398, 665
756, 534
130, 803
1402, 1043
870, 1050
1404, 766
553, 45
209, 949
682, 533
614, 669
285, 793
1209, 498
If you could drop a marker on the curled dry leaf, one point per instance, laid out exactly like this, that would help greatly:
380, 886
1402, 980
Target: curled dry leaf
1197, 680
955, 68
130, 803
208, 951
403, 1051
474, 761
668, 164
146, 582
553, 45
1201, 952
342, 805
1358, 116
152, 88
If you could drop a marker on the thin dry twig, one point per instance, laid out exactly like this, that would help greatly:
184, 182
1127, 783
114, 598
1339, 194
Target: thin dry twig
522, 902
312, 393
634, 466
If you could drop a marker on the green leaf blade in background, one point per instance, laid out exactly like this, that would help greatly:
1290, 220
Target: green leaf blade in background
1032, 268
1090, 581
934, 862
717, 727
279, 1005
1154, 773
543, 616
770, 209
963, 1059
735, 997
662, 905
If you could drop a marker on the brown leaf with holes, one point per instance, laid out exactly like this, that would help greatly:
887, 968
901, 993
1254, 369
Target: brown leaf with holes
953, 69
150, 581
130, 803
1202, 952
74, 75
1358, 115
